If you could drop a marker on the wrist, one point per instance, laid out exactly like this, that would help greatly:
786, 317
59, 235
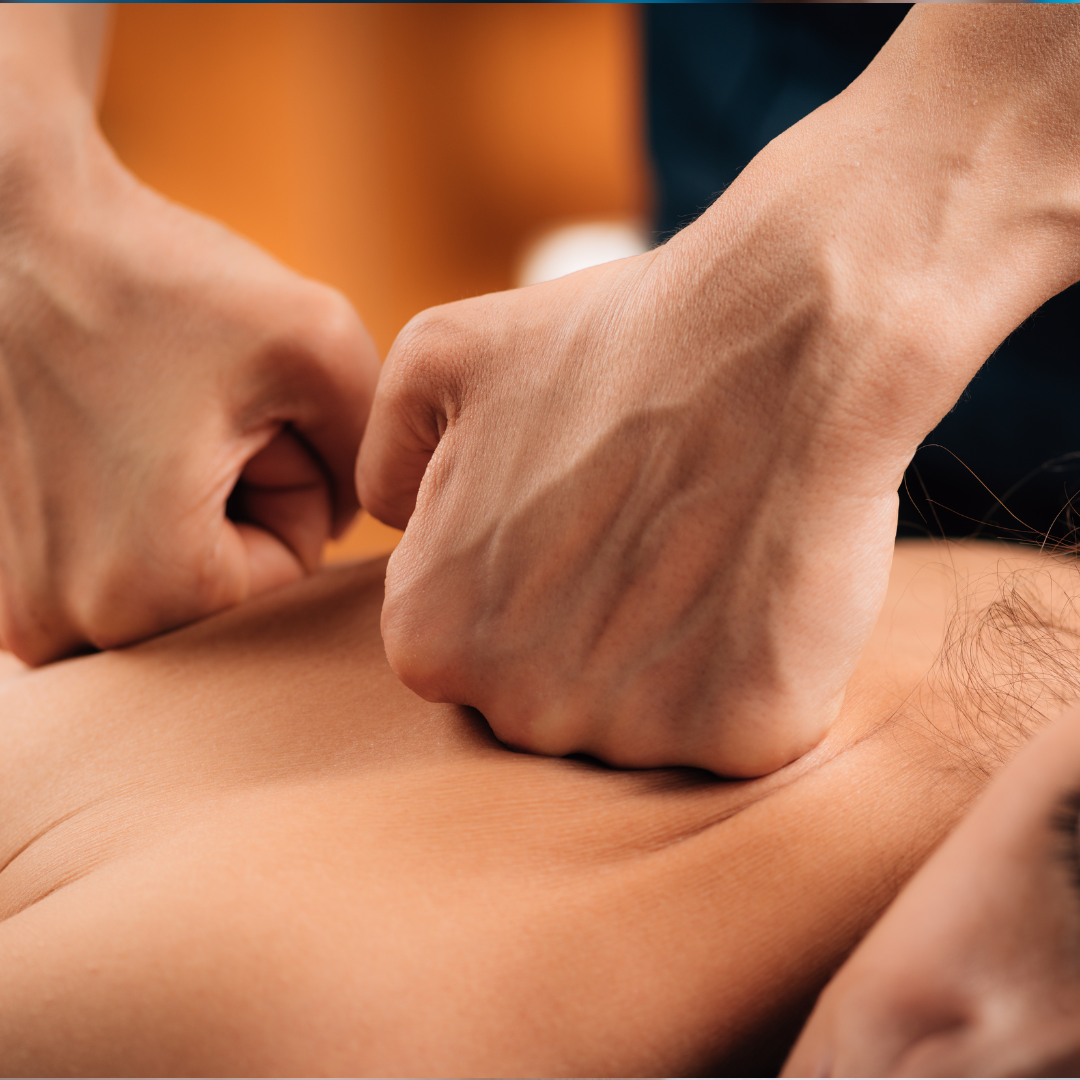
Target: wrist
49, 60
901, 231
968, 123
51, 51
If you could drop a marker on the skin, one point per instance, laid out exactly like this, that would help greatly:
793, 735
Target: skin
151, 365
649, 507
245, 848
975, 970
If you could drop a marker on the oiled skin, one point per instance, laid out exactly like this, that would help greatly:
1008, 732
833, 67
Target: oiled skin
246, 849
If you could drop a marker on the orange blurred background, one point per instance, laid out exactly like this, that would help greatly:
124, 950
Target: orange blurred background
404, 153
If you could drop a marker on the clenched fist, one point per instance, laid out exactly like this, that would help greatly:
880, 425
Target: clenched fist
650, 507
155, 372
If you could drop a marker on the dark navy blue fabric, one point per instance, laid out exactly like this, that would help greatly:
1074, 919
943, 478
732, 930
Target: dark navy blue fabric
725, 79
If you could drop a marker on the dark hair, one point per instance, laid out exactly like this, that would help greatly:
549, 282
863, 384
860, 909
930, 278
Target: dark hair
1010, 665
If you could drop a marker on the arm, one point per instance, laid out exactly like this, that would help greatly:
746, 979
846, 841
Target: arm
152, 367
658, 497
54, 51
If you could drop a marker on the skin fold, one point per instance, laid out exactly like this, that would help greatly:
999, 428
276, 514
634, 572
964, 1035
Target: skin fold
245, 848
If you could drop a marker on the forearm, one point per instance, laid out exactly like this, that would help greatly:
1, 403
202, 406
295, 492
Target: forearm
52, 52
651, 506
912, 222
50, 60
971, 117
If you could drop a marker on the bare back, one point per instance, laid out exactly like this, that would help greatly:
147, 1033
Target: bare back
245, 848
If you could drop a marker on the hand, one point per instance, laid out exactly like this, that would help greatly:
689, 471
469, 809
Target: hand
632, 534
153, 368
650, 507
974, 970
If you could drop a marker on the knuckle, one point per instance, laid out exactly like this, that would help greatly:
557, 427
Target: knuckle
521, 732
428, 660
424, 666
16, 638
176, 590
337, 331
427, 358
34, 628
322, 347
337, 319
438, 326
748, 757
553, 729
380, 497
372, 490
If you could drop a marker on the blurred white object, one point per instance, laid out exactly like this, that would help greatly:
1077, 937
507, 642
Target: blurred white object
574, 247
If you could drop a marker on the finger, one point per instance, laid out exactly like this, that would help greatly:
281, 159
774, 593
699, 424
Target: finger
270, 563
284, 492
278, 518
327, 373
406, 423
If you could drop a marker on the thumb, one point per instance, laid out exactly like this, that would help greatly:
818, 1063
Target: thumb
407, 420
282, 512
